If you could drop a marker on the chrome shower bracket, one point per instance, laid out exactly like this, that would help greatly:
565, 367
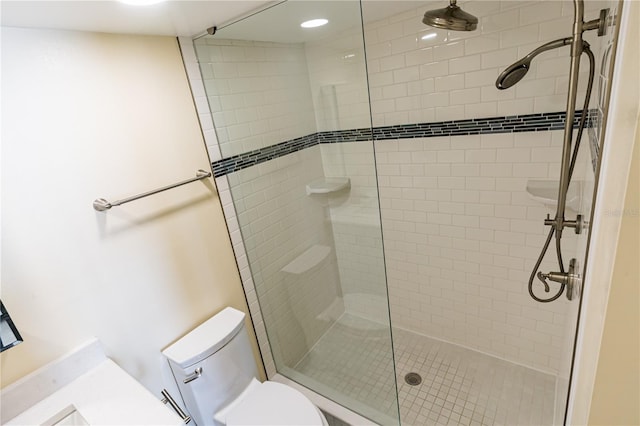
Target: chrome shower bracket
571, 279
600, 24
578, 225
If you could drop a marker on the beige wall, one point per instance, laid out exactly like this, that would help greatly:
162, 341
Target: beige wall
88, 115
616, 396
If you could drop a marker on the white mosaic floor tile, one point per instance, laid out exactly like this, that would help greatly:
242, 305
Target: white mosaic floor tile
459, 386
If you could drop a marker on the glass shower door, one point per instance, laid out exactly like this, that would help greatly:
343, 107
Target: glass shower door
291, 112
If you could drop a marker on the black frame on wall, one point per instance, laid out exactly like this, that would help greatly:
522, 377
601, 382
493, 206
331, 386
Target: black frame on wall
9, 334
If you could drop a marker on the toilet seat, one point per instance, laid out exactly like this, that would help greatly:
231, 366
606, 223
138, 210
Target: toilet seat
272, 403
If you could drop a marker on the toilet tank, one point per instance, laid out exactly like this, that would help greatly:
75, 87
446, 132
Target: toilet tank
220, 348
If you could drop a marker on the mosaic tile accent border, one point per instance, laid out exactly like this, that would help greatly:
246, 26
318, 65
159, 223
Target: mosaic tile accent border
257, 156
509, 124
339, 136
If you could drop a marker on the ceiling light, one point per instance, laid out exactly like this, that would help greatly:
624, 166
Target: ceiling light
314, 23
141, 2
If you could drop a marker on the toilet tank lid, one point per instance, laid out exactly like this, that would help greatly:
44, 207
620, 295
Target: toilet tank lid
206, 339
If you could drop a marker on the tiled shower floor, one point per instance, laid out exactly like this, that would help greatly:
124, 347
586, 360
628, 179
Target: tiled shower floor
459, 386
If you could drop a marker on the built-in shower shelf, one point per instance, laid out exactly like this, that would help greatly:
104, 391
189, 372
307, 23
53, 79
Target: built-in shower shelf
328, 185
546, 192
311, 257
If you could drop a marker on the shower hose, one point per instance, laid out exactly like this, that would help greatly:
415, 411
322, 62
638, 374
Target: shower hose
581, 125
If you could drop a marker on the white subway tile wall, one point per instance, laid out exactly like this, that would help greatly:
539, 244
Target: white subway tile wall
279, 222
461, 237
192, 67
222, 184
339, 91
418, 73
258, 92
355, 220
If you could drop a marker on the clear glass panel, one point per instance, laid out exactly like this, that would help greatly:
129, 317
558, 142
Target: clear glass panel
291, 112
463, 225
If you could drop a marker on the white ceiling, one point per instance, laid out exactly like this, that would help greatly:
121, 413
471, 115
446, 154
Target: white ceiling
282, 22
190, 17
171, 18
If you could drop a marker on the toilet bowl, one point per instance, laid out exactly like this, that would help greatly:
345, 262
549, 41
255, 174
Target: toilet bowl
217, 377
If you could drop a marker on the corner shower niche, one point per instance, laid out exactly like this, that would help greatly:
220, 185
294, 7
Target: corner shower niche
328, 185
546, 193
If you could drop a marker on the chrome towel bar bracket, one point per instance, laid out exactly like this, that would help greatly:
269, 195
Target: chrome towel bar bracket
101, 204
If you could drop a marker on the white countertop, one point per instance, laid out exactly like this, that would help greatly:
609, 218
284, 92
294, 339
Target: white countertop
105, 395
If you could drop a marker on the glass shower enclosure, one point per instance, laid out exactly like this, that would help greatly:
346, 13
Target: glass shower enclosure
292, 119
459, 176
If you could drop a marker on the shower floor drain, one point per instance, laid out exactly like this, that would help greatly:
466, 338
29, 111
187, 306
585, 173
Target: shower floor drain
413, 379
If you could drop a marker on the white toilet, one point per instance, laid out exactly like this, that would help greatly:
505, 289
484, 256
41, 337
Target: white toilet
214, 368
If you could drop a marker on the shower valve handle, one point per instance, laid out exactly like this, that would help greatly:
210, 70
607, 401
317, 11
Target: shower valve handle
559, 277
571, 279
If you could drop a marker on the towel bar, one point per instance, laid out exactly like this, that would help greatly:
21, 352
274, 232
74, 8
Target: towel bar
101, 204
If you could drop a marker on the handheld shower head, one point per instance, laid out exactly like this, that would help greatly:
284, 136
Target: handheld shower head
450, 18
516, 72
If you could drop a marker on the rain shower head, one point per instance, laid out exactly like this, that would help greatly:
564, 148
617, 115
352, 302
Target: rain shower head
450, 18
516, 72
